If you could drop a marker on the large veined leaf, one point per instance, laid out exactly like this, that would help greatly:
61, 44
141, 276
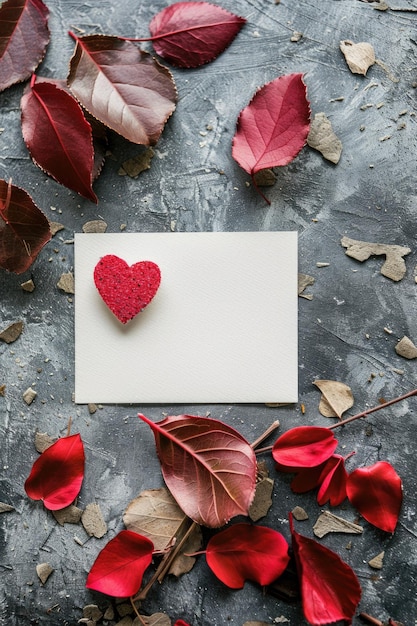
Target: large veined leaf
376, 491
122, 86
56, 476
330, 590
118, 570
208, 466
24, 36
304, 446
245, 552
24, 229
58, 136
188, 34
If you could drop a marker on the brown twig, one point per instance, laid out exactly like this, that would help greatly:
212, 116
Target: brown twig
265, 435
370, 620
138, 615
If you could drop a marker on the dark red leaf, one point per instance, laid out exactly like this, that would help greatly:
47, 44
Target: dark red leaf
24, 229
332, 481
188, 34
209, 468
273, 128
24, 36
57, 475
58, 136
307, 479
180, 622
118, 570
376, 491
304, 446
330, 590
245, 552
122, 86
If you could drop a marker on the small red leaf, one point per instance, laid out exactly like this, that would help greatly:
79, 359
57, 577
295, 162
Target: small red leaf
376, 491
24, 229
24, 36
333, 480
118, 570
304, 446
122, 86
57, 475
209, 468
307, 479
180, 622
245, 552
58, 136
188, 34
330, 590
273, 128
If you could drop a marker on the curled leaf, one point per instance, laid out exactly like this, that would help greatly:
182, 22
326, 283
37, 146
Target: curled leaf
336, 397
333, 481
118, 570
188, 34
376, 491
245, 552
304, 446
56, 476
208, 466
359, 56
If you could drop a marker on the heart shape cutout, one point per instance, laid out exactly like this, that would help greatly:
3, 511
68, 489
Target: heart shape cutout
126, 289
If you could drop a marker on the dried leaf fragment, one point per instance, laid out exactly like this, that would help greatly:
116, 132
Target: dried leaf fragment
66, 283
359, 56
28, 286
93, 521
336, 397
304, 281
29, 395
406, 348
183, 563
377, 561
299, 514
323, 138
44, 570
6, 508
95, 226
69, 515
92, 612
329, 523
394, 266
12, 332
138, 164
55, 227
43, 441
157, 619
262, 501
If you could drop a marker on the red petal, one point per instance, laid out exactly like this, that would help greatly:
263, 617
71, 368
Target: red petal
245, 552
57, 475
118, 570
333, 481
188, 34
307, 479
273, 128
24, 36
209, 468
180, 622
58, 136
304, 446
330, 590
376, 491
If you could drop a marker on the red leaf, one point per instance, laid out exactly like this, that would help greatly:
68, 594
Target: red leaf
330, 590
376, 491
188, 34
122, 86
245, 552
118, 570
24, 229
273, 128
180, 622
24, 36
209, 468
56, 476
58, 136
304, 446
307, 479
333, 480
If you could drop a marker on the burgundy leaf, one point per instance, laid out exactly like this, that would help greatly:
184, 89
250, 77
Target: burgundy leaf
333, 481
304, 446
24, 36
118, 570
245, 552
24, 229
376, 491
180, 622
330, 590
122, 86
188, 34
307, 479
57, 475
58, 136
273, 128
209, 468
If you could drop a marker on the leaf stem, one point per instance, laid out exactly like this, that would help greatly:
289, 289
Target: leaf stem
259, 191
265, 435
138, 615
370, 620
373, 409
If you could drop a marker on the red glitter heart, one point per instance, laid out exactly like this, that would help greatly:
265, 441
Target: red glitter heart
126, 289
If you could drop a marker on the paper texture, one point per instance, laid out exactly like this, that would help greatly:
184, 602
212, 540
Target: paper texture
222, 327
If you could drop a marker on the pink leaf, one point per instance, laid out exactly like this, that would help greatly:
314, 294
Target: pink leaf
245, 552
57, 475
24, 36
188, 34
376, 491
330, 590
118, 570
58, 136
304, 446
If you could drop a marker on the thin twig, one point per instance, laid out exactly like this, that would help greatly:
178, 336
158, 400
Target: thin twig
265, 435
69, 426
370, 620
138, 615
